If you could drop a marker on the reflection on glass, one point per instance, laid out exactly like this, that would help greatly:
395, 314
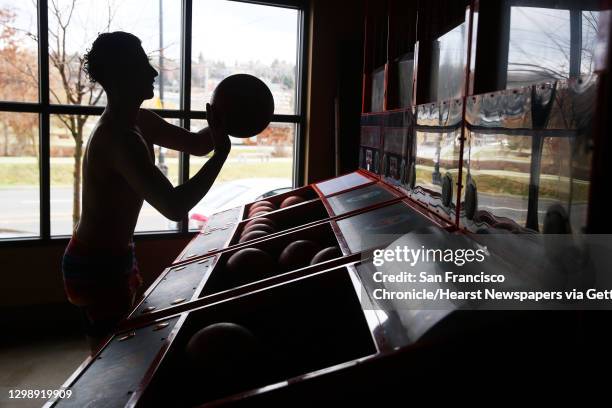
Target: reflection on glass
84, 20
542, 47
405, 68
590, 23
437, 143
69, 136
19, 175
560, 183
234, 37
500, 164
394, 154
359, 198
378, 90
437, 155
369, 153
448, 65
528, 153
256, 166
18, 51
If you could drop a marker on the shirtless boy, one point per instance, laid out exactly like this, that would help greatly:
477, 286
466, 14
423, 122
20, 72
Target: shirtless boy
99, 268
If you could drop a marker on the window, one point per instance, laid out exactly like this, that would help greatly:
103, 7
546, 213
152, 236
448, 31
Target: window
18, 51
48, 110
261, 41
255, 166
447, 78
232, 37
20, 184
19, 131
550, 44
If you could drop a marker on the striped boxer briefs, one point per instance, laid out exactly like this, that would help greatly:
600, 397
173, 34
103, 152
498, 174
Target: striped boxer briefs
102, 284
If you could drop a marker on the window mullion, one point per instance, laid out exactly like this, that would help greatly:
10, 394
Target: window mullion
44, 121
299, 143
185, 89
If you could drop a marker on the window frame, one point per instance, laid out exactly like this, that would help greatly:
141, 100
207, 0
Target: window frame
184, 113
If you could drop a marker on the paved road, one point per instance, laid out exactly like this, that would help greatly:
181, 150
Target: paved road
19, 211
19, 206
515, 207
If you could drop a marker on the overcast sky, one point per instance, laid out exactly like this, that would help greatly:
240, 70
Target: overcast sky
222, 30
233, 31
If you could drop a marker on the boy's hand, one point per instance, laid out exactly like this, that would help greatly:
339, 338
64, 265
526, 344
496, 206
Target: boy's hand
217, 125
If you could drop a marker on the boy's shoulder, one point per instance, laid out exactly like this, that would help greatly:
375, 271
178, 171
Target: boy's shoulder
116, 136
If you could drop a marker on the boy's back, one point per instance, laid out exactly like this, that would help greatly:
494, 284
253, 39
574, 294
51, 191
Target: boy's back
110, 205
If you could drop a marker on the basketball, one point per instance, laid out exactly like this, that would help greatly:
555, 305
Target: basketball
291, 200
246, 102
260, 208
258, 227
298, 254
222, 354
249, 265
326, 254
263, 202
261, 220
249, 236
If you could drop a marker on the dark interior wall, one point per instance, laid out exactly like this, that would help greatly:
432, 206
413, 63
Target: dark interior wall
334, 69
32, 300
31, 273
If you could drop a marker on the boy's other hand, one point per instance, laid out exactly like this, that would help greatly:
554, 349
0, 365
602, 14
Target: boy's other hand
217, 124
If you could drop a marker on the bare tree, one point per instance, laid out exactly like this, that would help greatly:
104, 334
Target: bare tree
74, 89
527, 64
68, 82
16, 85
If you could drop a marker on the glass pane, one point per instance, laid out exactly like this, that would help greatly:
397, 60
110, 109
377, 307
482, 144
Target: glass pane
555, 184
378, 90
590, 23
83, 21
18, 51
66, 161
499, 165
405, 69
541, 47
257, 165
233, 37
19, 175
448, 68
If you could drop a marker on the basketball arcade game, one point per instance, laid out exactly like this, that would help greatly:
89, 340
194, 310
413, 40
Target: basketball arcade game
509, 161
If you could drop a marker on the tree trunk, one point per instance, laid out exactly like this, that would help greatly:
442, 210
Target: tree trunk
34, 138
76, 201
6, 139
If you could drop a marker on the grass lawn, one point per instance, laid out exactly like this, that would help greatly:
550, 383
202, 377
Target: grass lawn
24, 174
514, 185
237, 170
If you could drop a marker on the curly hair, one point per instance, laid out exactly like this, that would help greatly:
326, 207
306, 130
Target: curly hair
104, 61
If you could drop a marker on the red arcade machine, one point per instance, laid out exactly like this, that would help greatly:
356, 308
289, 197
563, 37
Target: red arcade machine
461, 135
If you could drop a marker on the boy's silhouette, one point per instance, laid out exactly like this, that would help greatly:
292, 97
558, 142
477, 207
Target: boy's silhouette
119, 172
